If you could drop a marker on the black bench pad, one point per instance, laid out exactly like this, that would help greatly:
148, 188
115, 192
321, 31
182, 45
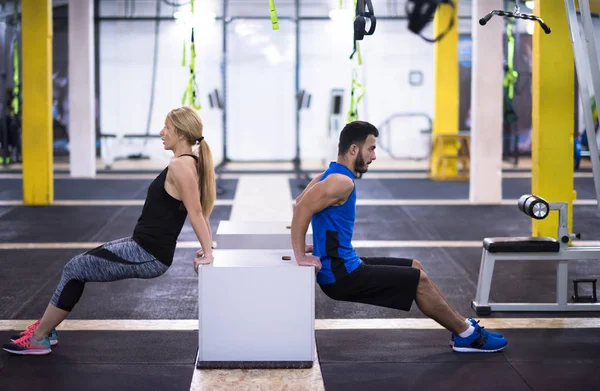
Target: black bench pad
541, 244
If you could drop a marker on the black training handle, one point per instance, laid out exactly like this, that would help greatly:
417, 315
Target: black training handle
486, 18
364, 11
509, 14
544, 26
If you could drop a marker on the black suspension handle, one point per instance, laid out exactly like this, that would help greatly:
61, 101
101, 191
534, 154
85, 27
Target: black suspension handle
509, 14
486, 18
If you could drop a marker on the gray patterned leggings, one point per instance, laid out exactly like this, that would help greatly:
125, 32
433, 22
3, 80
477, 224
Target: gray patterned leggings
113, 261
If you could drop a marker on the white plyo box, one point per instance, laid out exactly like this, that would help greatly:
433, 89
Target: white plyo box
255, 311
256, 235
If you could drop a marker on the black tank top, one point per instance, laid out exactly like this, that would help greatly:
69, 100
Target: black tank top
161, 220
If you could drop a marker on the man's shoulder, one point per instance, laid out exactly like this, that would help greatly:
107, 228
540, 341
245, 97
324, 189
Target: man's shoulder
339, 182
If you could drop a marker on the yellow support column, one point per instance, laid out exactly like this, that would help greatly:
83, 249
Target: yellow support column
445, 117
38, 178
552, 113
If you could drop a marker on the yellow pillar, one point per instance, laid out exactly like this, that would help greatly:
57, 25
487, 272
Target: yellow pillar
38, 179
446, 99
552, 113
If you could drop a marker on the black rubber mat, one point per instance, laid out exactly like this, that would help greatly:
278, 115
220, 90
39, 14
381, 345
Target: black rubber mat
83, 223
422, 359
4, 210
455, 271
104, 223
512, 188
559, 376
95, 377
362, 376
100, 189
554, 345
458, 222
106, 360
31, 276
3, 357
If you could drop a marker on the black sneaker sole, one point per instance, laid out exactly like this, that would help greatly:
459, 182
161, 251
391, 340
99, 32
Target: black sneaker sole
36, 352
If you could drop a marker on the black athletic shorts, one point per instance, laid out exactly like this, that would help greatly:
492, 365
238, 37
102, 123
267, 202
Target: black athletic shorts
384, 282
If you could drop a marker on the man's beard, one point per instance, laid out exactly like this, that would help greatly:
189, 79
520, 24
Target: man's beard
360, 167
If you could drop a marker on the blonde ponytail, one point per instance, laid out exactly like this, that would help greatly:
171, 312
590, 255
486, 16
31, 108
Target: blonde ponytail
206, 179
188, 123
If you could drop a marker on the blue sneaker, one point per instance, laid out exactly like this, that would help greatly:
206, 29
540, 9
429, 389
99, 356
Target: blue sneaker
475, 323
479, 341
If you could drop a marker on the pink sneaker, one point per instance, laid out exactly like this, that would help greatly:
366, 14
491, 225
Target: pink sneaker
27, 345
53, 336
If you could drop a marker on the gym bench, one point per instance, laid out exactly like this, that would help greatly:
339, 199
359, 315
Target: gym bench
535, 249
256, 310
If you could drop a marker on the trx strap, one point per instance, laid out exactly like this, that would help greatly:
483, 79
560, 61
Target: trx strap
515, 14
511, 76
15, 95
354, 101
191, 92
14, 104
421, 12
359, 32
274, 19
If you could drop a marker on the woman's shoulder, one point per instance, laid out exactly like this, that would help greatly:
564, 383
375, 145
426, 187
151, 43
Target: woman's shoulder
182, 164
183, 159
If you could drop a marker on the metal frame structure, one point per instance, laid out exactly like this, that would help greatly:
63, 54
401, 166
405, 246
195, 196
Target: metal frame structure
513, 249
300, 174
565, 253
225, 20
588, 74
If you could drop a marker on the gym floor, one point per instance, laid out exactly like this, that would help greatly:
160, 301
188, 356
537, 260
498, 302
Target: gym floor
142, 334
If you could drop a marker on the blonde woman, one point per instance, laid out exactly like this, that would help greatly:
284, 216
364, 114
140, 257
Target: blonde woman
185, 188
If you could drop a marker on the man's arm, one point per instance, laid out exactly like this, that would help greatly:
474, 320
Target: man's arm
331, 191
307, 188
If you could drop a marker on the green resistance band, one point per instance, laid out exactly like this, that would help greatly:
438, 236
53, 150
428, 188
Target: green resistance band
191, 92
274, 19
15, 99
354, 101
594, 111
511, 76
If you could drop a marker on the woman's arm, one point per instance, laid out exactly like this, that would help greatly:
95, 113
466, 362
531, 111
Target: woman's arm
185, 179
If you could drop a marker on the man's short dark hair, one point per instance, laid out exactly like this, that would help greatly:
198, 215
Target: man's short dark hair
355, 132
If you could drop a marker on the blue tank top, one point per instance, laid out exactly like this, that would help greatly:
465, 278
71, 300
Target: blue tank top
332, 234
